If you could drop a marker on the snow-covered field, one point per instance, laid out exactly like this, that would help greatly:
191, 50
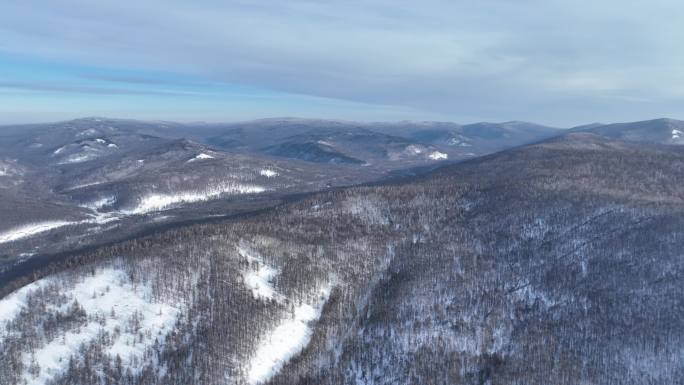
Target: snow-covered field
436, 155
268, 173
28, 230
100, 203
161, 201
200, 157
147, 204
32, 229
12, 304
287, 340
258, 278
114, 306
291, 335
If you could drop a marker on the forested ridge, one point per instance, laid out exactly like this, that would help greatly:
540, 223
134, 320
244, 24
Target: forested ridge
559, 262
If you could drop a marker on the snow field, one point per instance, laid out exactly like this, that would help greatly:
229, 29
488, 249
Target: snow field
113, 304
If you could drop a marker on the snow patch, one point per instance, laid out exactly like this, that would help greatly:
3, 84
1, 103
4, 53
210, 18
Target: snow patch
287, 340
161, 201
459, 141
200, 157
28, 230
258, 279
33, 229
436, 155
112, 145
110, 295
12, 304
100, 203
268, 173
291, 335
77, 158
83, 185
413, 149
87, 132
676, 134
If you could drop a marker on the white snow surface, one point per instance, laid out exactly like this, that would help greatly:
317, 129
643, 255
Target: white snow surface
413, 149
676, 134
78, 158
258, 279
287, 340
436, 155
108, 294
200, 157
291, 335
161, 201
32, 229
78, 186
268, 173
12, 304
9, 169
28, 230
100, 203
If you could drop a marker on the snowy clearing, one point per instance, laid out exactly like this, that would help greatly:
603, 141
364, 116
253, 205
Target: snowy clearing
285, 341
76, 187
31, 229
413, 149
159, 202
78, 158
200, 157
113, 305
268, 173
436, 155
12, 304
100, 203
676, 134
259, 280
292, 334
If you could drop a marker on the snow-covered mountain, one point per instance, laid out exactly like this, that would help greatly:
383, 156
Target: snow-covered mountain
557, 262
97, 177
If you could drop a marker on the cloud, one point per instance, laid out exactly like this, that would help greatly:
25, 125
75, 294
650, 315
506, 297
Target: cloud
552, 61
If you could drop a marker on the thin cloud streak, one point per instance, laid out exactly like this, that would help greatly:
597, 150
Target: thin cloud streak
552, 61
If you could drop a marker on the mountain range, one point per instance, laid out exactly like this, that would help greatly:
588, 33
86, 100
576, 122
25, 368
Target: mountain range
295, 251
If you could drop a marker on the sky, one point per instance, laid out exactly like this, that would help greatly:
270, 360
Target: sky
560, 63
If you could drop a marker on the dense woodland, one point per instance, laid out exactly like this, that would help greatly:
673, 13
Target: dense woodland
556, 263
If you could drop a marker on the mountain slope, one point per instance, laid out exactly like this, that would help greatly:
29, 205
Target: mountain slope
558, 262
663, 131
102, 179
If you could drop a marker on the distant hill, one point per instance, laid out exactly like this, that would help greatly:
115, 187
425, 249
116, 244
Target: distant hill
663, 131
